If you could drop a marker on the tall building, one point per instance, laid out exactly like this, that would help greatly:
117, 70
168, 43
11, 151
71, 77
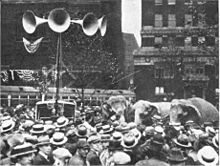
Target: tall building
178, 57
14, 55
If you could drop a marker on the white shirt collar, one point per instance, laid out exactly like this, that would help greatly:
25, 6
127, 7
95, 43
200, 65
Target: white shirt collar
43, 154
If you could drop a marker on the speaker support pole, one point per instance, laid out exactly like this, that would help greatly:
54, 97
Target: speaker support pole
59, 55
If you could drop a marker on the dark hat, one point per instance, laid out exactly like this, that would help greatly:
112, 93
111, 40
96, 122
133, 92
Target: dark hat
21, 150
129, 141
61, 122
38, 129
58, 138
43, 140
183, 141
81, 144
105, 137
82, 131
157, 140
176, 155
106, 129
7, 125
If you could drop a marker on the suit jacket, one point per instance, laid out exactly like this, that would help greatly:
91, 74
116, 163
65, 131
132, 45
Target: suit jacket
40, 160
93, 158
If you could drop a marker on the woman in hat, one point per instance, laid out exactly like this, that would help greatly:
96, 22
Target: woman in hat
22, 155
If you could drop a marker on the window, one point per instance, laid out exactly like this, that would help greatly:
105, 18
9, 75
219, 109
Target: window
210, 40
179, 41
188, 41
158, 41
165, 41
194, 41
171, 2
158, 2
158, 20
148, 41
159, 90
159, 72
201, 40
171, 20
188, 20
199, 71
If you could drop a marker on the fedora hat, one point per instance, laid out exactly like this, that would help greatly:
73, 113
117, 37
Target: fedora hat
58, 138
129, 141
176, 155
43, 140
20, 150
105, 137
215, 140
82, 131
61, 122
106, 129
183, 141
157, 140
38, 129
207, 156
7, 125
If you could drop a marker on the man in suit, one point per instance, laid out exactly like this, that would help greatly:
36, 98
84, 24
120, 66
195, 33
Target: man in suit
44, 155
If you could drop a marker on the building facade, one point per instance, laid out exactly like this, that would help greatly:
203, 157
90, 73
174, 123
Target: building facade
178, 57
14, 56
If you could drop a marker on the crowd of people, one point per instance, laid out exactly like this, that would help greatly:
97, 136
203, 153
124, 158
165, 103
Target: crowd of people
82, 142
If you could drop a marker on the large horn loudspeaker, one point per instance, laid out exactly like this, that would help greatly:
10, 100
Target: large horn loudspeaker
30, 21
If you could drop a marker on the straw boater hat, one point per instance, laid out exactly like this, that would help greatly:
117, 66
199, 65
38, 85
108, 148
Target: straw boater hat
82, 131
123, 128
159, 130
105, 137
94, 139
43, 140
15, 139
106, 129
129, 141
58, 138
21, 150
136, 133
183, 141
176, 155
215, 140
62, 153
149, 131
121, 158
38, 129
61, 122
210, 130
7, 125
207, 156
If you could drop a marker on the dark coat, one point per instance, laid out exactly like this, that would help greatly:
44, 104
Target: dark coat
93, 158
40, 160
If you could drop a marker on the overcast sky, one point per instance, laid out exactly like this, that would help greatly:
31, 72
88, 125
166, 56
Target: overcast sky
131, 18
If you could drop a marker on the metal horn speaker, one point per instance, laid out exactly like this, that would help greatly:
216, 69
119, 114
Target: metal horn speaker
59, 20
30, 21
102, 24
89, 24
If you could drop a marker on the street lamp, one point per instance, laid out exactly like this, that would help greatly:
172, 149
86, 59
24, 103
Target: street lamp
59, 21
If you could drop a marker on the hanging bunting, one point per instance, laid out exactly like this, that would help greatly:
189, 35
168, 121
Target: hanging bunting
32, 47
26, 75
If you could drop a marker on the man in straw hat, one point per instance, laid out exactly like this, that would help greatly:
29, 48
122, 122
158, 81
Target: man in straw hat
176, 157
43, 156
95, 150
22, 154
